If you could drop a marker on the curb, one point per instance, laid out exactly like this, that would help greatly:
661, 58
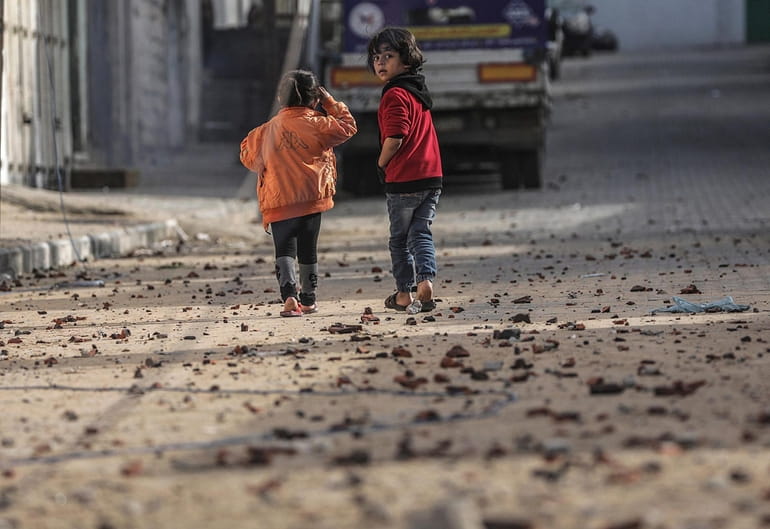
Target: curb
62, 253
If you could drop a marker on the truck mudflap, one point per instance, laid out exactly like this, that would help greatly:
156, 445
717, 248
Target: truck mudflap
522, 169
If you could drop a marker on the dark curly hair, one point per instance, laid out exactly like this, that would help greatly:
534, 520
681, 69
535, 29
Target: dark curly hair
299, 88
400, 40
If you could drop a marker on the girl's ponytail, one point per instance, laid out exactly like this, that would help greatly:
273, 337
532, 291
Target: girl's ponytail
299, 88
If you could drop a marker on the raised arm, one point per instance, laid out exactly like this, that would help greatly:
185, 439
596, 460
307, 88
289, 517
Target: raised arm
342, 126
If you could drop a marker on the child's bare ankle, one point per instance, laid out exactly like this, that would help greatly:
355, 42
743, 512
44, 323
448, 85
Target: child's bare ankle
425, 290
290, 304
404, 298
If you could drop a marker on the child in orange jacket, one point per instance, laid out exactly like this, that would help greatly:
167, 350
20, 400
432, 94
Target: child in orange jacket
293, 157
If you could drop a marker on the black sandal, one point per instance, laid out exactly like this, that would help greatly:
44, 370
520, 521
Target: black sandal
390, 303
428, 306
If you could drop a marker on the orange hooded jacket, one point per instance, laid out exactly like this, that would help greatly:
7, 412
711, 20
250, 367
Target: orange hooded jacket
294, 161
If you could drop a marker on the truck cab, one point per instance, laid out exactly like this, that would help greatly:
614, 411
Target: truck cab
486, 68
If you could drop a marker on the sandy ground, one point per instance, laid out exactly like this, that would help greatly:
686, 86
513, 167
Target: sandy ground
175, 396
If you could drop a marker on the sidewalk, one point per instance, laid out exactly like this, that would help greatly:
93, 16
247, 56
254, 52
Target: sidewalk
43, 229
36, 233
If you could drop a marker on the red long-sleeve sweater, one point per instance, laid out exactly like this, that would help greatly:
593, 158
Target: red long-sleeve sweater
401, 115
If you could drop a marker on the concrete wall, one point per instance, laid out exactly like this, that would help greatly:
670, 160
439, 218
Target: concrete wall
135, 67
192, 74
151, 76
144, 77
160, 74
651, 24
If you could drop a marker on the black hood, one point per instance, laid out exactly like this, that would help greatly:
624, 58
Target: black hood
413, 83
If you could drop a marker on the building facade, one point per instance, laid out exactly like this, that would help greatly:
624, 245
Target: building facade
92, 85
667, 24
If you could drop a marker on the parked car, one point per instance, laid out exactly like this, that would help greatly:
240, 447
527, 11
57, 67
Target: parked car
576, 25
573, 19
605, 40
578, 28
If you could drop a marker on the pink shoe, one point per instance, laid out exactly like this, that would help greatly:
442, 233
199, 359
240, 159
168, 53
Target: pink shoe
308, 309
291, 309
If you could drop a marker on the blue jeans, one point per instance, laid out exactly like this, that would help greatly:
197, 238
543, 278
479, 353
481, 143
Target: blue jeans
412, 252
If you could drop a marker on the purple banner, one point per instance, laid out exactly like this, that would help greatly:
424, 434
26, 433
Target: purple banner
448, 24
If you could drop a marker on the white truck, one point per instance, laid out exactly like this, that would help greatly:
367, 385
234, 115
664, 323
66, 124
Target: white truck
486, 68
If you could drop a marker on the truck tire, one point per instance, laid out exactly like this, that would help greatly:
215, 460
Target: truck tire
359, 174
522, 169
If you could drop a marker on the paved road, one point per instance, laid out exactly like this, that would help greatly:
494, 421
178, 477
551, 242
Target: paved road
211, 412
685, 128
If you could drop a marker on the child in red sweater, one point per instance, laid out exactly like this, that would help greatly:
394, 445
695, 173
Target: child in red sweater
409, 166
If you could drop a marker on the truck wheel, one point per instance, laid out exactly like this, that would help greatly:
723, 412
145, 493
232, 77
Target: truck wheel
359, 174
522, 169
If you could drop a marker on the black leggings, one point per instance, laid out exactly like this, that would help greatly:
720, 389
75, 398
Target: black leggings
297, 238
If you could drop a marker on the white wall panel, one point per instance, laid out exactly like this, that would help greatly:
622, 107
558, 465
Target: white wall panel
657, 24
35, 83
